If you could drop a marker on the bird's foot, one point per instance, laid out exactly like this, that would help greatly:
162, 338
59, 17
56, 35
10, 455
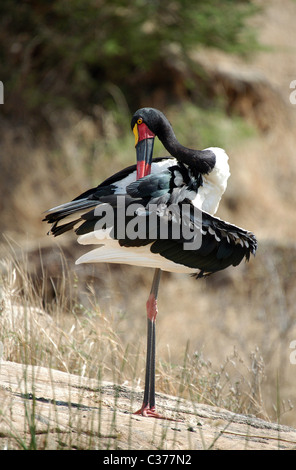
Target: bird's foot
148, 412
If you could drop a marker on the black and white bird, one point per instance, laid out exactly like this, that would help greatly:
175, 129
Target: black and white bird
158, 213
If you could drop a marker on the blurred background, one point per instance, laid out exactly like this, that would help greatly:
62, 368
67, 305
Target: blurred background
73, 74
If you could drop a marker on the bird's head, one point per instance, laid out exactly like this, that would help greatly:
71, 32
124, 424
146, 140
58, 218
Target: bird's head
145, 124
149, 122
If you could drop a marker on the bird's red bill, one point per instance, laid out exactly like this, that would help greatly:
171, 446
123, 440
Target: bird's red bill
143, 169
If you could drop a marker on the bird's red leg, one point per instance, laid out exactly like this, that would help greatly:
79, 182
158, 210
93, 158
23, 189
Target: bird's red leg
148, 406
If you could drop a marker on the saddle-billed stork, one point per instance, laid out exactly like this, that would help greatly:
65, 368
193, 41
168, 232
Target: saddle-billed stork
136, 217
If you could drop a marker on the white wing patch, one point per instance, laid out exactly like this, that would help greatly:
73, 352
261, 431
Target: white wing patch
111, 252
214, 184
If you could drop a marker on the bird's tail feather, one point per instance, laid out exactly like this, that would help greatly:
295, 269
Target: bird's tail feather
68, 216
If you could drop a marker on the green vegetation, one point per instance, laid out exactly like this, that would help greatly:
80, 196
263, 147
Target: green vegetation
63, 53
195, 127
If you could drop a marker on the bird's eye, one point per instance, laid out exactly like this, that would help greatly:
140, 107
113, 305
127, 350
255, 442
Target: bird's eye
139, 121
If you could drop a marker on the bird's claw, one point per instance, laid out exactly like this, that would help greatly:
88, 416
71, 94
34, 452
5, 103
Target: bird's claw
148, 412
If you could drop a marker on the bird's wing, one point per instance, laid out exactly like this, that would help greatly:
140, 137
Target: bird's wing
156, 211
180, 233
68, 216
207, 243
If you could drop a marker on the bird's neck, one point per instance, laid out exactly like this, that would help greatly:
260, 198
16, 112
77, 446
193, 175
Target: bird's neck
200, 161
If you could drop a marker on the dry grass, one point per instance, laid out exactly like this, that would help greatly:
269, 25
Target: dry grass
232, 347
57, 335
